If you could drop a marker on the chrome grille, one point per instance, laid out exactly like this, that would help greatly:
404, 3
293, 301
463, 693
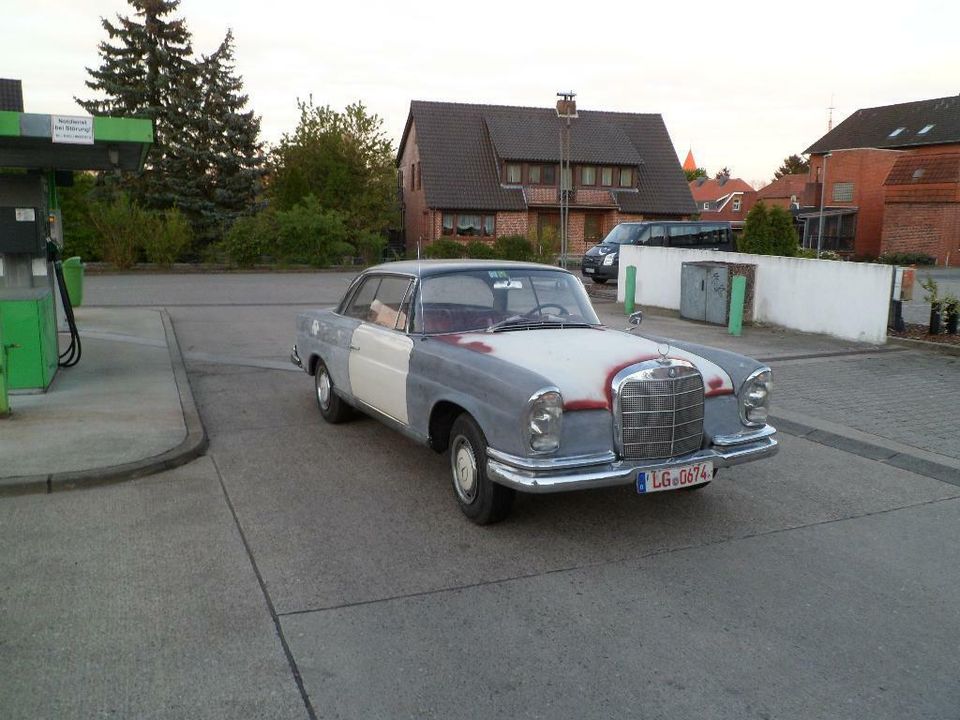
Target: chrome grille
660, 416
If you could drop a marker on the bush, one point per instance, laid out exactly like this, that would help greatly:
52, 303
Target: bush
167, 236
79, 233
121, 226
307, 233
546, 245
244, 241
444, 248
513, 247
480, 250
370, 246
907, 259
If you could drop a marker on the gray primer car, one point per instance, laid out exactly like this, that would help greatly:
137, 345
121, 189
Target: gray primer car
507, 366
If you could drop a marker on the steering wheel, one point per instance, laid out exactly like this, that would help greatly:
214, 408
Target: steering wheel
562, 311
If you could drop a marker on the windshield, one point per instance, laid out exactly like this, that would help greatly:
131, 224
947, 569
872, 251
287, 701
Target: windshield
491, 300
624, 234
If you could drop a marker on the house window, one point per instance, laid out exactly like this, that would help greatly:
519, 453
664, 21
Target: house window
592, 227
606, 176
549, 174
896, 132
400, 178
626, 177
843, 192
514, 173
413, 175
419, 173
533, 174
706, 205
468, 224
925, 129
588, 175
736, 204
567, 179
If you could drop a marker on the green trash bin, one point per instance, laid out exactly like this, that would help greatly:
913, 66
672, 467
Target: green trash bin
73, 278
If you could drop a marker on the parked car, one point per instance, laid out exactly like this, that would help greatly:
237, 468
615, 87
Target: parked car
506, 366
602, 262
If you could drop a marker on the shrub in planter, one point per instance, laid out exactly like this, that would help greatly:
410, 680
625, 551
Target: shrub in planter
932, 296
480, 250
907, 259
951, 310
513, 247
444, 249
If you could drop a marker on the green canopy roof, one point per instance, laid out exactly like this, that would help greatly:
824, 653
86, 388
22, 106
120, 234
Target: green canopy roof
67, 142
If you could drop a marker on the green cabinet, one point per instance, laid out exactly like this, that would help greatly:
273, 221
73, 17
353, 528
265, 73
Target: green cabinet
29, 321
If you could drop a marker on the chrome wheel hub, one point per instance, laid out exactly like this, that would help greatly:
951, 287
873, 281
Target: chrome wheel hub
464, 466
323, 389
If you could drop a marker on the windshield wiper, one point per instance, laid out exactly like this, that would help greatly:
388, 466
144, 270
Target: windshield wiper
521, 322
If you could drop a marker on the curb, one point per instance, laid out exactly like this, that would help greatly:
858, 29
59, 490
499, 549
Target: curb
945, 348
190, 448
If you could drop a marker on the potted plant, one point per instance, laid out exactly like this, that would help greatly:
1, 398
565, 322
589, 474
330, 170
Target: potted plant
932, 296
951, 311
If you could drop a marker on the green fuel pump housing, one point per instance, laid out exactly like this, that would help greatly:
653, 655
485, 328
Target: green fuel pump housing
28, 317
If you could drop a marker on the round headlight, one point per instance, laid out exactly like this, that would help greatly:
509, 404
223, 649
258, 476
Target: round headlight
755, 397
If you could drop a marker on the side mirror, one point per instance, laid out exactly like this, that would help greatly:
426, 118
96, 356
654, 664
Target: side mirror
636, 318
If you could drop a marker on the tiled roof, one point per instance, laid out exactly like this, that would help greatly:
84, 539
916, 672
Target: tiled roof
690, 164
784, 187
708, 189
925, 170
896, 126
459, 145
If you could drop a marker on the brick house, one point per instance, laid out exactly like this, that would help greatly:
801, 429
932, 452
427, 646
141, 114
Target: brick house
723, 199
888, 181
470, 172
787, 192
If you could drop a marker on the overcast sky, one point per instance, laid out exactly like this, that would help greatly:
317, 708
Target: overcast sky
742, 84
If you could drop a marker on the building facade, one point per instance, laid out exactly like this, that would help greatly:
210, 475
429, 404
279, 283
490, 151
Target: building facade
479, 172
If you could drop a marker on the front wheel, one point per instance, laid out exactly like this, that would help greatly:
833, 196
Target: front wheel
332, 407
480, 499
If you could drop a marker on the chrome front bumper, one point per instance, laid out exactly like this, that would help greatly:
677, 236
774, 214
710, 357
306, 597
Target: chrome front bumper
546, 475
295, 357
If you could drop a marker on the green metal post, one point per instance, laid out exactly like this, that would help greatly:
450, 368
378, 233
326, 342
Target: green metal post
630, 291
738, 293
4, 400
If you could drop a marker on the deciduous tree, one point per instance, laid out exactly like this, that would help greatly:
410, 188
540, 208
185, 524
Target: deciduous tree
792, 165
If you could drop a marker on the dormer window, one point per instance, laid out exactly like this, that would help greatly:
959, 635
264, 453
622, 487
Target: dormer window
896, 132
514, 173
925, 129
588, 175
626, 177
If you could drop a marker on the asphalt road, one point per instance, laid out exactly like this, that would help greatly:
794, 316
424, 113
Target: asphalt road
303, 570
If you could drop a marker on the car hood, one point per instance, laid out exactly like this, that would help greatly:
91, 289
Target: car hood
582, 362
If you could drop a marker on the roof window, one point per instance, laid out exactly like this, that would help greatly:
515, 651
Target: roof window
918, 173
925, 129
896, 132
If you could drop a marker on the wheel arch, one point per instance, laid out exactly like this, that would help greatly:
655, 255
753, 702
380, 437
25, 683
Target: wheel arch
442, 415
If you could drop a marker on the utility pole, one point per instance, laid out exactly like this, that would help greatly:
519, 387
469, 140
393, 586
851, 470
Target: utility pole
566, 111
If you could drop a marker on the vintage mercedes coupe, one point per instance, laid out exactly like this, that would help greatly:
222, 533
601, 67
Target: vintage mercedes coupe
508, 367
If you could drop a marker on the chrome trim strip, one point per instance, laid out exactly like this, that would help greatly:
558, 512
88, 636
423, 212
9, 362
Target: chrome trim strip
617, 472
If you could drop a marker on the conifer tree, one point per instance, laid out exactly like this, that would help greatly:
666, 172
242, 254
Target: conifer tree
147, 72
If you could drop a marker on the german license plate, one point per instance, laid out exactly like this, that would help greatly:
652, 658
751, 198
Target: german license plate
589, 270
649, 481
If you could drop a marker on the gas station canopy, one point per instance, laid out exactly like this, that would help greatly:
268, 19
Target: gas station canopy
67, 142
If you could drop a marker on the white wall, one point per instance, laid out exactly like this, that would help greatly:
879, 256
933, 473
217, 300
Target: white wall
848, 300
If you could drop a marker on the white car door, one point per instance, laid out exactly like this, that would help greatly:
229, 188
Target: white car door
380, 348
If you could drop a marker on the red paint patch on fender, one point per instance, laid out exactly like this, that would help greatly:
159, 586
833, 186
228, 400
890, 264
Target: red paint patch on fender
458, 340
716, 388
608, 384
586, 405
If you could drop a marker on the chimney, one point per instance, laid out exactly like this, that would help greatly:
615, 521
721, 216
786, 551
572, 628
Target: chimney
11, 95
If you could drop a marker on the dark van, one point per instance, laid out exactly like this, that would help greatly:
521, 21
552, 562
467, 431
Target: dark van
602, 262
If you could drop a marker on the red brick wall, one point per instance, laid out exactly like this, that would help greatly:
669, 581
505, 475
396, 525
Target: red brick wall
931, 228
416, 223
866, 169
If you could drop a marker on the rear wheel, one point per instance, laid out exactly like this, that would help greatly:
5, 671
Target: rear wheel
332, 408
480, 499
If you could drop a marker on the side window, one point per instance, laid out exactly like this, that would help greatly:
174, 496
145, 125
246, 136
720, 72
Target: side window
384, 309
682, 235
359, 306
657, 237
